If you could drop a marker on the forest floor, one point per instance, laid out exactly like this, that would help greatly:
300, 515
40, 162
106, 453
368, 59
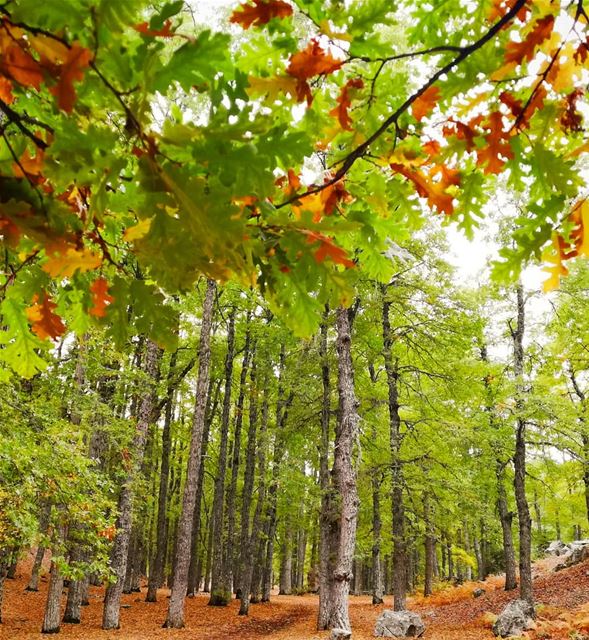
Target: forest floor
450, 614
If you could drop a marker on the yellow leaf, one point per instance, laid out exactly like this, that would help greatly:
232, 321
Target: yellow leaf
327, 29
273, 87
65, 264
138, 231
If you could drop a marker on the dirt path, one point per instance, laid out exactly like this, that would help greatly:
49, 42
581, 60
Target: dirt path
450, 615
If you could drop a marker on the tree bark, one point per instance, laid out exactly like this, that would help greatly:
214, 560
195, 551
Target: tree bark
398, 509
44, 516
230, 557
220, 588
156, 569
377, 581
344, 473
53, 604
193, 583
519, 459
505, 515
175, 618
430, 547
120, 551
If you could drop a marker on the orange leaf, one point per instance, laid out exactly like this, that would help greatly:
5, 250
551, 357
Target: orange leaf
435, 192
497, 150
72, 70
21, 66
516, 52
327, 249
424, 104
343, 103
312, 61
44, 323
6, 90
30, 166
100, 298
164, 32
261, 12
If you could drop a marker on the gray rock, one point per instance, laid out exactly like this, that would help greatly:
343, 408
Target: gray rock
477, 593
557, 548
399, 624
340, 634
517, 616
578, 551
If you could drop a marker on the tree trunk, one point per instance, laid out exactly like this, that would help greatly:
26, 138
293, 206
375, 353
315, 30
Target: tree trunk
175, 618
327, 518
246, 551
377, 582
53, 605
398, 509
220, 587
430, 547
505, 516
519, 460
344, 473
231, 555
44, 517
286, 562
196, 522
156, 569
120, 550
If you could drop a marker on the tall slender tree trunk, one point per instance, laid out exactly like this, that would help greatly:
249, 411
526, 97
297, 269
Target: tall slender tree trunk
200, 487
505, 515
519, 459
175, 618
282, 407
344, 473
44, 516
231, 555
398, 509
327, 517
257, 542
156, 568
430, 546
220, 589
120, 551
286, 561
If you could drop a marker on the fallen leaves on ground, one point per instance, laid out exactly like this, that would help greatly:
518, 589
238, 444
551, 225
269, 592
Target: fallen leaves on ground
450, 614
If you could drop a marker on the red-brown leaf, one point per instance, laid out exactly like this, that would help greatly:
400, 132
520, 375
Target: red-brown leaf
71, 71
100, 298
261, 12
518, 51
44, 322
341, 112
424, 104
312, 61
164, 32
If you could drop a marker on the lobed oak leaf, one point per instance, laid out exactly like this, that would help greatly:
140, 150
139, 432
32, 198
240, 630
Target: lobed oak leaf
571, 119
138, 231
273, 87
260, 12
100, 297
312, 61
425, 103
517, 52
328, 249
65, 262
71, 71
497, 150
21, 66
28, 165
437, 193
164, 32
514, 105
500, 7
344, 102
44, 322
